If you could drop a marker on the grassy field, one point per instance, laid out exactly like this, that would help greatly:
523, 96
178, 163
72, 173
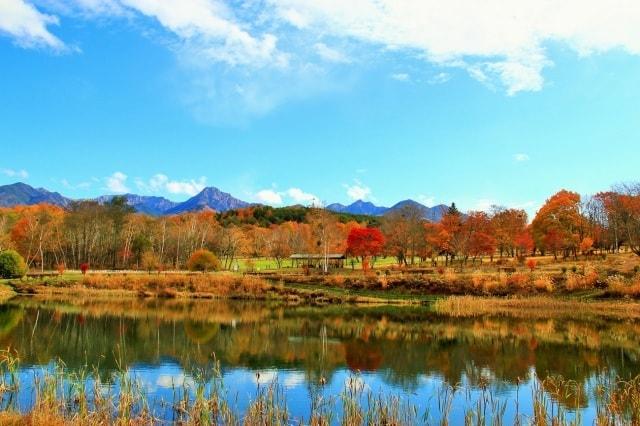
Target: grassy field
595, 277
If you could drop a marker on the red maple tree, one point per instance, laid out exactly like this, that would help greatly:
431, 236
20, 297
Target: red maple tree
365, 243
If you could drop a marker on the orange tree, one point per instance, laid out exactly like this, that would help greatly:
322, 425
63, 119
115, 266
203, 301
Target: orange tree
364, 243
559, 224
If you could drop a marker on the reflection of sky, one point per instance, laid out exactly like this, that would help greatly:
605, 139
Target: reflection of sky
165, 382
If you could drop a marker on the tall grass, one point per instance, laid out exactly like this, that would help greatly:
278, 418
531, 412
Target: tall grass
63, 398
535, 307
170, 285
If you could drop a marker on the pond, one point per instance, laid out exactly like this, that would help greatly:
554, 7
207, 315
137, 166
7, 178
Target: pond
439, 365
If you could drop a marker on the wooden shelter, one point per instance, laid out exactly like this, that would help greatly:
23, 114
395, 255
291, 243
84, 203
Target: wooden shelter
334, 260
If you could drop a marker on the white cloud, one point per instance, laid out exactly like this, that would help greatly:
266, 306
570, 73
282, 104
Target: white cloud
400, 76
358, 191
294, 18
209, 27
191, 187
440, 78
329, 54
299, 196
117, 183
27, 26
21, 174
160, 183
493, 39
427, 200
521, 157
80, 185
248, 57
269, 196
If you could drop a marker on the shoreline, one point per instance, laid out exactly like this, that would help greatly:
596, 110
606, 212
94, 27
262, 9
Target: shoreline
529, 306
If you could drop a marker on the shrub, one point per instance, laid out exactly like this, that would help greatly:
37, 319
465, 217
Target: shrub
150, 261
518, 281
543, 283
384, 282
450, 276
84, 267
531, 264
12, 264
203, 260
582, 282
616, 282
337, 280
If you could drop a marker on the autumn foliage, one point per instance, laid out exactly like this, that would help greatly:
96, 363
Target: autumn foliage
112, 236
365, 243
204, 261
84, 267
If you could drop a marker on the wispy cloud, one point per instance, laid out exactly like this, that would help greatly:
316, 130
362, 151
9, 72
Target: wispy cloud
401, 76
20, 174
299, 196
520, 158
269, 196
161, 183
357, 190
74, 186
440, 78
330, 54
427, 200
256, 56
27, 26
117, 183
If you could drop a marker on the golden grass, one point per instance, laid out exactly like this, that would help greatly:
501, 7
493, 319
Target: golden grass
6, 292
535, 307
221, 284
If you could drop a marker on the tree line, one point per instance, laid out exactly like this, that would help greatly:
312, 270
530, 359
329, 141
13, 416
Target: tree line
113, 236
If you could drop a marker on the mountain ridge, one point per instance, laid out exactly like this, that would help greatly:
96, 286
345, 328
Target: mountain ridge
433, 214
209, 198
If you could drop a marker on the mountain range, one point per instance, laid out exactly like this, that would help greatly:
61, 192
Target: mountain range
209, 198
433, 214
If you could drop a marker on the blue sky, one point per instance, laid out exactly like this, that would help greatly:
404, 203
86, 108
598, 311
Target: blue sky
285, 101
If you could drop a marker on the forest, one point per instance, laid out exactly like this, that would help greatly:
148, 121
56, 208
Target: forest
113, 236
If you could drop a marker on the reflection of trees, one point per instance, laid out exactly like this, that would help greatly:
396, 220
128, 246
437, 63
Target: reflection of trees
200, 332
361, 356
9, 318
403, 344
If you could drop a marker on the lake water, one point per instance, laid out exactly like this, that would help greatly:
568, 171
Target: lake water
410, 352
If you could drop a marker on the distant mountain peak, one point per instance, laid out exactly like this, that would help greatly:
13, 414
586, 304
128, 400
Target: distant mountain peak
433, 214
149, 204
20, 193
210, 198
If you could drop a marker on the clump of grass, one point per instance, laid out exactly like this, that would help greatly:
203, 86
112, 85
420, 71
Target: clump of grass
586, 280
543, 283
337, 280
170, 285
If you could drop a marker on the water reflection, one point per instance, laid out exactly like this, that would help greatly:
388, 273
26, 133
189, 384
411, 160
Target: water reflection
404, 350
